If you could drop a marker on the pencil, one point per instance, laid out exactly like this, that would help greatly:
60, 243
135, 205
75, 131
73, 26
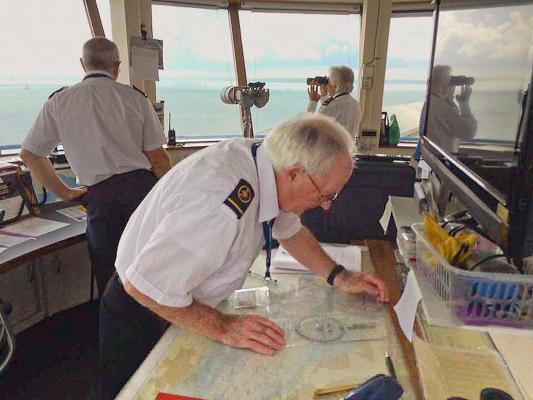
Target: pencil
390, 366
334, 389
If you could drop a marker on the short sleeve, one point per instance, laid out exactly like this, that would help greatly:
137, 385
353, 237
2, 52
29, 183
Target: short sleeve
43, 136
153, 135
188, 246
286, 225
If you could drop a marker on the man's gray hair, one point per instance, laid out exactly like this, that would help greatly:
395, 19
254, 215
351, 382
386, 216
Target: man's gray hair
312, 141
100, 52
440, 79
342, 77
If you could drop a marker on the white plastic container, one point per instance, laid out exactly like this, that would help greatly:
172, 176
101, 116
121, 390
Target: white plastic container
477, 298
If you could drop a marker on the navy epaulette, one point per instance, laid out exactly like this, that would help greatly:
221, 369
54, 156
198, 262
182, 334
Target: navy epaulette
57, 91
241, 197
139, 90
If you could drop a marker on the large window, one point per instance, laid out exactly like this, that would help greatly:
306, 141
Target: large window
283, 49
408, 58
104, 10
198, 64
41, 48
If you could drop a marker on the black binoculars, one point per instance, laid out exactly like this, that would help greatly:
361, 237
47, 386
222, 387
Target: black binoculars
460, 80
318, 80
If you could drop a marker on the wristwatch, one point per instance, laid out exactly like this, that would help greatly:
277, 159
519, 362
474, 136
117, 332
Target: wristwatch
337, 269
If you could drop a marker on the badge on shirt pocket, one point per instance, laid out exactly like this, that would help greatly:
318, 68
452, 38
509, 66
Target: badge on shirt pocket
241, 197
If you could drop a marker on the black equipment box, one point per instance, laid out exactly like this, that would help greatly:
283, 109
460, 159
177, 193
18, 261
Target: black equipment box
355, 214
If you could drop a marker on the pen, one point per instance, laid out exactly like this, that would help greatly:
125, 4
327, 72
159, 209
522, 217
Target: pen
334, 389
22, 235
390, 366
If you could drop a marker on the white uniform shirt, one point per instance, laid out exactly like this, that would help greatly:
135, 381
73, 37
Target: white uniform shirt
183, 242
449, 125
104, 127
343, 108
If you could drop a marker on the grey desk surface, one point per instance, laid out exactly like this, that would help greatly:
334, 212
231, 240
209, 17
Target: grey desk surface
22, 252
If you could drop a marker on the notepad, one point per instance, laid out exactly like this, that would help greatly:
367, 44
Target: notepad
34, 227
347, 255
447, 371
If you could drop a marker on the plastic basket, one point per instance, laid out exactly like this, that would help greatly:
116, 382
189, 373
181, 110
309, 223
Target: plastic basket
476, 298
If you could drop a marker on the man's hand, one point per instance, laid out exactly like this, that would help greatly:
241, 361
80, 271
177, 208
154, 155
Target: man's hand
466, 91
324, 92
71, 194
363, 282
312, 91
253, 332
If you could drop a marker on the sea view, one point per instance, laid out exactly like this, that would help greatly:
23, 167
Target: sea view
199, 112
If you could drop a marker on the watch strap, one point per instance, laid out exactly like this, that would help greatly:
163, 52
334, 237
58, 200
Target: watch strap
337, 269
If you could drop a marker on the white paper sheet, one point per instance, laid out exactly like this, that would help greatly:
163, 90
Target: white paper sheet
10, 241
144, 64
384, 221
2, 249
407, 305
347, 255
33, 227
77, 213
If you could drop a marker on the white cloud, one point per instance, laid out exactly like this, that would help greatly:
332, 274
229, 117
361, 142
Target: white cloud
204, 33
296, 36
410, 38
42, 38
334, 47
485, 35
289, 37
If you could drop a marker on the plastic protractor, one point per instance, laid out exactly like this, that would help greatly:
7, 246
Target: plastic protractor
320, 329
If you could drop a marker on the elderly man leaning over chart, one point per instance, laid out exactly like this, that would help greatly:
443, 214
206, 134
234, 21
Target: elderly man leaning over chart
192, 240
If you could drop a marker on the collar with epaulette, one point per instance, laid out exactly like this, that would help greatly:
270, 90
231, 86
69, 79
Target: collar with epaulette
57, 91
139, 90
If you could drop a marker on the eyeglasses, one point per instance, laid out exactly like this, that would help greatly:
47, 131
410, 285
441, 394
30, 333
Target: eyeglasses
323, 198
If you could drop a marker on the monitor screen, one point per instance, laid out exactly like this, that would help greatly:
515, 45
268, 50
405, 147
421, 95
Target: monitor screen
479, 77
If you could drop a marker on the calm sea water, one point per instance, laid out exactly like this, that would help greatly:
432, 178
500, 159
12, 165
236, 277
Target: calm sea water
200, 112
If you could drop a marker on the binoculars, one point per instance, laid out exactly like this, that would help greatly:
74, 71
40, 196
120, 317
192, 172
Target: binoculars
460, 80
318, 80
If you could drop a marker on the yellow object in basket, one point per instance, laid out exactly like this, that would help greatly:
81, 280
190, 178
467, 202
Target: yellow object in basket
454, 249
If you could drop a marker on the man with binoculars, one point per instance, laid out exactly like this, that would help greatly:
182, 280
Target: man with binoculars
334, 98
450, 120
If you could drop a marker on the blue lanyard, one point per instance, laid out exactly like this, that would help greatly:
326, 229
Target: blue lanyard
267, 225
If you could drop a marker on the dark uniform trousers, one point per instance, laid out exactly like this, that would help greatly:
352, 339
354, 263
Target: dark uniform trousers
128, 332
110, 204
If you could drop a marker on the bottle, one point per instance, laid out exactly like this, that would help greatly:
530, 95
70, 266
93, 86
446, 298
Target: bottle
394, 131
384, 133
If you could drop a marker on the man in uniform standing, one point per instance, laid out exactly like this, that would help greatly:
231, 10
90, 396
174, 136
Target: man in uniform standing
192, 240
335, 99
113, 142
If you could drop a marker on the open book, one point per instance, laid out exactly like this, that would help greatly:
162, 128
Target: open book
347, 255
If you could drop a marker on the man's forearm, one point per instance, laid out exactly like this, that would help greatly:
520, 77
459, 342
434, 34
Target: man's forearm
162, 166
43, 170
305, 248
197, 317
160, 161
244, 331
